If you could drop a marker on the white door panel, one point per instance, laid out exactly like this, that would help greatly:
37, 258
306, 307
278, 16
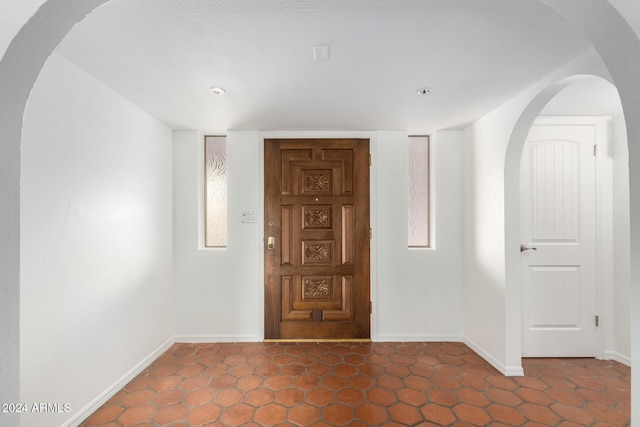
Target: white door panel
558, 219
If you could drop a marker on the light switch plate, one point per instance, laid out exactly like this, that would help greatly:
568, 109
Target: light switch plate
248, 217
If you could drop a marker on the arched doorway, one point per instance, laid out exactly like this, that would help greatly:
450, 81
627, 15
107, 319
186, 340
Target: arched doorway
621, 70
589, 107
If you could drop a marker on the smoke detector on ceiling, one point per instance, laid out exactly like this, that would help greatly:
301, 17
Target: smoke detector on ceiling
424, 91
217, 91
321, 53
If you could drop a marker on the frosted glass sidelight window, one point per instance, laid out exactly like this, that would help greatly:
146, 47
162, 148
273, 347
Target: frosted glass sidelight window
418, 192
215, 163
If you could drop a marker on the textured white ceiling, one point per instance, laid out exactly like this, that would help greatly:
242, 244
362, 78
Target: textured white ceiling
164, 55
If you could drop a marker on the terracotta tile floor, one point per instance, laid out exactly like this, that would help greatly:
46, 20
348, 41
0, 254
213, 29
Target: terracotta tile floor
364, 384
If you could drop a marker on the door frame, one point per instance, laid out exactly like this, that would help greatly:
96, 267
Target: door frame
603, 222
373, 272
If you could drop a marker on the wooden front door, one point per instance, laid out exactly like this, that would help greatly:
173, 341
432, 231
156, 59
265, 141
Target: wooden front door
316, 238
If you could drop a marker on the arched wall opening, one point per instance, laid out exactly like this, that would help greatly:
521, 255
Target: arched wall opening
618, 45
559, 100
513, 297
19, 69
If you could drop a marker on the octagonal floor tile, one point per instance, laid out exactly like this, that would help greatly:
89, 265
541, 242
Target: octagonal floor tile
363, 384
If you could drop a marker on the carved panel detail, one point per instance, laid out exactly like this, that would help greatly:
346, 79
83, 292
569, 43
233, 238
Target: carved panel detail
319, 182
317, 287
316, 253
317, 217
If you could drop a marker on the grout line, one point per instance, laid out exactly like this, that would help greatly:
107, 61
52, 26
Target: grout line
277, 340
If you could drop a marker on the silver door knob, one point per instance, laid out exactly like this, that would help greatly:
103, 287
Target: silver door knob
524, 248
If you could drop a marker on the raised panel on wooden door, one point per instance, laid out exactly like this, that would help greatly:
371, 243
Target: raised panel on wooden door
343, 159
288, 158
302, 295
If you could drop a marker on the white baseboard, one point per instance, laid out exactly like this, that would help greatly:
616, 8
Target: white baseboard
618, 357
418, 338
100, 400
507, 371
216, 338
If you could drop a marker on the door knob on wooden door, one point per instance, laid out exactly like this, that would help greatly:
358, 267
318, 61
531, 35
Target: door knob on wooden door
271, 242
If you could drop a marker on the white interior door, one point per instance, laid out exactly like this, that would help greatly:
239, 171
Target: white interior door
558, 220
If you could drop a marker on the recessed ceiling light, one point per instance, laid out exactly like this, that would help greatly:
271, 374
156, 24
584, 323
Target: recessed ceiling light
424, 91
217, 91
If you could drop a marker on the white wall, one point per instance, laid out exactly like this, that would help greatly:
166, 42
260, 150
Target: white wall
492, 309
483, 231
20, 66
217, 291
419, 291
588, 97
621, 236
96, 240
14, 15
416, 293
630, 11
